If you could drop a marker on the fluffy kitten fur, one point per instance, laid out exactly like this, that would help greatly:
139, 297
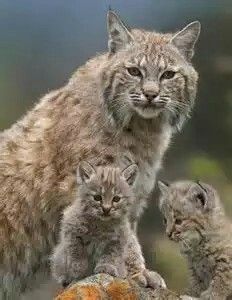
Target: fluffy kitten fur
96, 229
195, 218
106, 110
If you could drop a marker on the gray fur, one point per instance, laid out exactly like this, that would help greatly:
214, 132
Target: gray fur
96, 234
195, 218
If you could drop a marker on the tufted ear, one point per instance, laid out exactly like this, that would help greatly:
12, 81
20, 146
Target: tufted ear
119, 34
163, 187
202, 197
130, 173
186, 39
85, 171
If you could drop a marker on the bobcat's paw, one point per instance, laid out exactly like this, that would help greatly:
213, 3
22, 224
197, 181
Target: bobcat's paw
207, 295
185, 297
154, 280
108, 269
140, 279
65, 283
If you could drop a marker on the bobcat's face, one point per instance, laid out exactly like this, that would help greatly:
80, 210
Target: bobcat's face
106, 192
188, 209
148, 74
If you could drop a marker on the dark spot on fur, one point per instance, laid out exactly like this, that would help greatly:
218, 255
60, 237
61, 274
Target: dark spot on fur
12, 146
109, 158
115, 32
76, 101
128, 129
132, 148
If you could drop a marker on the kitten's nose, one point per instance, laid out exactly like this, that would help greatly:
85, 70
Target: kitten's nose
150, 95
106, 210
150, 90
169, 234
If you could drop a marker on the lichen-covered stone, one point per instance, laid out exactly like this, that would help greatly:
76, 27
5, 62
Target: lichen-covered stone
106, 287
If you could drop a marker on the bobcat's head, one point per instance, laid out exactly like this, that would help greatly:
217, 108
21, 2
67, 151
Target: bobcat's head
149, 74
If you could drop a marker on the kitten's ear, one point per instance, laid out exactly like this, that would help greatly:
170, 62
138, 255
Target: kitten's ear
130, 173
119, 34
201, 196
186, 39
163, 187
85, 171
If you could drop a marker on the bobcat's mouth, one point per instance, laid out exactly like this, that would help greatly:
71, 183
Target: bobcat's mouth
149, 105
149, 110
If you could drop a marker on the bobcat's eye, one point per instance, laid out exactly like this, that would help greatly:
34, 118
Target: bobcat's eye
168, 75
133, 71
97, 197
116, 199
178, 221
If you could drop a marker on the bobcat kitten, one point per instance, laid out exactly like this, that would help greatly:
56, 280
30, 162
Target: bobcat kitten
195, 218
96, 226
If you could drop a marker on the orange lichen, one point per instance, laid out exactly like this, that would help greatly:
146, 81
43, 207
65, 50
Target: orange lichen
85, 292
69, 294
90, 292
121, 290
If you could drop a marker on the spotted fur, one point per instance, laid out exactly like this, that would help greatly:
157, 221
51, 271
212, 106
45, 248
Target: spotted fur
97, 116
96, 229
195, 218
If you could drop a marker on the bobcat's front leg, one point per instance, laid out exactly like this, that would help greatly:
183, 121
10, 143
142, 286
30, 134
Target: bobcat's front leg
136, 265
111, 260
220, 288
216, 292
194, 289
69, 261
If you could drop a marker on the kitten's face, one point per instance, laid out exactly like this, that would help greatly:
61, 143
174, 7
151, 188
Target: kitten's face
187, 208
106, 193
148, 75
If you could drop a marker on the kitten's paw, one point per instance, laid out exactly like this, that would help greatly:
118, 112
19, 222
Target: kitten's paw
185, 297
65, 283
108, 269
154, 280
207, 295
140, 279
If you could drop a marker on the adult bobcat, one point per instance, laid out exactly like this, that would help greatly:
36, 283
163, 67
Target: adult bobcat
126, 102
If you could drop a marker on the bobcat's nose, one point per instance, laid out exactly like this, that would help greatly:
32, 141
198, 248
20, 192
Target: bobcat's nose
150, 95
150, 90
169, 233
106, 210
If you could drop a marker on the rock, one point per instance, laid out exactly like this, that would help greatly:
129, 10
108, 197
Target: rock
103, 286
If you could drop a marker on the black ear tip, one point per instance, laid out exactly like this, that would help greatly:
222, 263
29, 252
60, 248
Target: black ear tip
111, 13
201, 185
164, 183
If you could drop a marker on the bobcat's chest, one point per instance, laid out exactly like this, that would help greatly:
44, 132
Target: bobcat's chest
146, 148
204, 269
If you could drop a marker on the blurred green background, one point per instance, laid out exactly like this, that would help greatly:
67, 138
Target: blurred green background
43, 42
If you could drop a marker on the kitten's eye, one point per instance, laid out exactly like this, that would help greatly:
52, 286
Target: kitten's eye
178, 221
165, 221
168, 75
133, 71
97, 197
116, 199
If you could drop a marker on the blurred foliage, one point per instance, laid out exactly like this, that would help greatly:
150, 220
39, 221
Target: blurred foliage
171, 264
42, 42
